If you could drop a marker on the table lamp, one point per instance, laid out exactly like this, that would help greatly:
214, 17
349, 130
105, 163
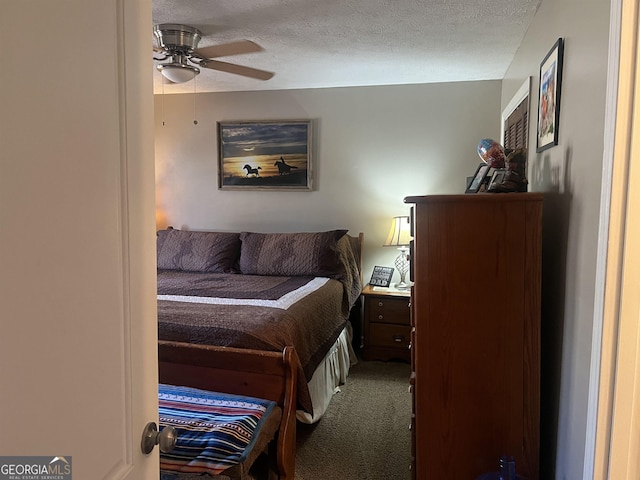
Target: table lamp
399, 236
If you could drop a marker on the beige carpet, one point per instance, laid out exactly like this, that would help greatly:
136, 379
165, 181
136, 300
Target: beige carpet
364, 434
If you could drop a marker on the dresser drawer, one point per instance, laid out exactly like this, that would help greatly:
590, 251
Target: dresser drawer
388, 310
389, 335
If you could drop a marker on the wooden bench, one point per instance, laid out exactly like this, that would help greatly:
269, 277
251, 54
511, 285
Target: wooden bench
253, 373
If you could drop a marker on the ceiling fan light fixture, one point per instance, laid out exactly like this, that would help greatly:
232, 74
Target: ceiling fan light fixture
178, 72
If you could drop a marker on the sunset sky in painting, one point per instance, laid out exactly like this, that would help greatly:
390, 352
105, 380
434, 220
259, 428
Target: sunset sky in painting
256, 139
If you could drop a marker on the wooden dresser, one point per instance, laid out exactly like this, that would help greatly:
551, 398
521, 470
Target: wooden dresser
476, 267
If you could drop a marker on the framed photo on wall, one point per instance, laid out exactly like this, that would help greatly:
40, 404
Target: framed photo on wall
549, 97
264, 155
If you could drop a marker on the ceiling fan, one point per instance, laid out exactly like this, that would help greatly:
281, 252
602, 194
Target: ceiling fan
178, 44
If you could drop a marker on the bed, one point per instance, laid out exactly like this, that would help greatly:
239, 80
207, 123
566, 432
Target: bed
265, 291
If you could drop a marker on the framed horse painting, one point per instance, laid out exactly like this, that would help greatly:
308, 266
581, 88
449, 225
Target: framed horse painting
264, 155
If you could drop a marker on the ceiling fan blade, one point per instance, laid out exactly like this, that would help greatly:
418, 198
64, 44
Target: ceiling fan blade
237, 69
226, 49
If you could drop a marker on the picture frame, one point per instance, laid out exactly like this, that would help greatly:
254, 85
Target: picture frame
497, 178
549, 97
265, 155
478, 178
381, 276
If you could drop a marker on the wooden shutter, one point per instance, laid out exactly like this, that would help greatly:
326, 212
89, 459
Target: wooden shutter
516, 127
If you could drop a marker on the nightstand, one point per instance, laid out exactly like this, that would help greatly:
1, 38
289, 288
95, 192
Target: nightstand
387, 324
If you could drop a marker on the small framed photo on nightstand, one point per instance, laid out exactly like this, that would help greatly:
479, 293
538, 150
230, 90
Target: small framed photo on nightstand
381, 276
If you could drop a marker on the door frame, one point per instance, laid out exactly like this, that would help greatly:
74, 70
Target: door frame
613, 432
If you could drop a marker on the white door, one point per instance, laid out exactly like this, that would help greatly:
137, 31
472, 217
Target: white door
77, 244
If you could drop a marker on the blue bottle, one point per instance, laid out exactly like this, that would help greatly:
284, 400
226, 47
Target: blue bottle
507, 470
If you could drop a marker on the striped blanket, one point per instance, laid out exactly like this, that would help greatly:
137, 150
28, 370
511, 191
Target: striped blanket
215, 430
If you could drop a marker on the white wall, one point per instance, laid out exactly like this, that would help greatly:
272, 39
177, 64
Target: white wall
372, 147
570, 174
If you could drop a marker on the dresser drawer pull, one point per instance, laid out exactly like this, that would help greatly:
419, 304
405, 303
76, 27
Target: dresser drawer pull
380, 303
398, 338
380, 317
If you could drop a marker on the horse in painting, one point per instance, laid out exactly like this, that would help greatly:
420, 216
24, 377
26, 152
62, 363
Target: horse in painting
283, 167
252, 171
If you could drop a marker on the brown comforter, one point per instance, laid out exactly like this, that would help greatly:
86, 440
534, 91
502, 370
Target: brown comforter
253, 311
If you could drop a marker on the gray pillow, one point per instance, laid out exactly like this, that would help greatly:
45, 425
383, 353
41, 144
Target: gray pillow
213, 252
291, 254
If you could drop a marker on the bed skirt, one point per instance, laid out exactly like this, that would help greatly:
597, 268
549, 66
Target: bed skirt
330, 374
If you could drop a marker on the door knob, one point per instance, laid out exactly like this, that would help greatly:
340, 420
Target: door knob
167, 438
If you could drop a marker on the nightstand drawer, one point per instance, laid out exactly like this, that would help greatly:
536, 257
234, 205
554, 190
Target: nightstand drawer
383, 335
388, 310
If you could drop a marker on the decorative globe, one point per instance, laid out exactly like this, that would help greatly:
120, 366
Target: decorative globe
491, 153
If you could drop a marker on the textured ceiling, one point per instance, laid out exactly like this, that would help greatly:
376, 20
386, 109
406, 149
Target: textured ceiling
336, 43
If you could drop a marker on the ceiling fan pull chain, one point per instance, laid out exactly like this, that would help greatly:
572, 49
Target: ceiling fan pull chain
195, 116
162, 101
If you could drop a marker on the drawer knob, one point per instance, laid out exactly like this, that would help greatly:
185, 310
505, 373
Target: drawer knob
380, 304
398, 338
380, 317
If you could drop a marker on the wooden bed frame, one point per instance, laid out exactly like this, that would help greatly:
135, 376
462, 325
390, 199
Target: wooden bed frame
255, 373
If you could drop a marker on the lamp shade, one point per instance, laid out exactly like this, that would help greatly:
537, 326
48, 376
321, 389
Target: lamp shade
178, 72
400, 233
